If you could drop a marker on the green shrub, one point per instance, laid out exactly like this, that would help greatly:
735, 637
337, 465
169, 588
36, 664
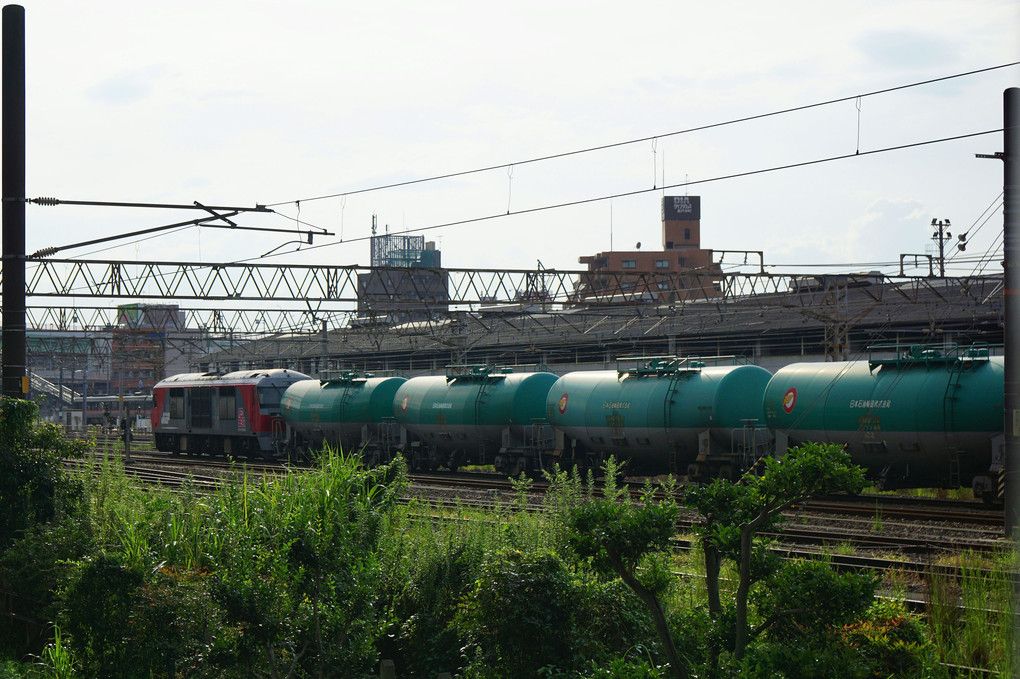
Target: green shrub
33, 487
294, 562
14, 670
97, 611
174, 621
808, 598
625, 668
31, 570
609, 621
423, 638
892, 641
801, 661
518, 618
272, 577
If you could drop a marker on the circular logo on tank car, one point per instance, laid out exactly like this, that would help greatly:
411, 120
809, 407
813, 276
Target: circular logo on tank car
790, 399
403, 405
562, 406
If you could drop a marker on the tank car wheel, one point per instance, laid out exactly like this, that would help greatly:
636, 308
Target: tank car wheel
594, 463
991, 498
419, 462
455, 461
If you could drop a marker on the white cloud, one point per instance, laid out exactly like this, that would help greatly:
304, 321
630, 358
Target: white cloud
233, 103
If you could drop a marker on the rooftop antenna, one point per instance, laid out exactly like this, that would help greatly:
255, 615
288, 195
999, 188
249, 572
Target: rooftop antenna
610, 226
374, 224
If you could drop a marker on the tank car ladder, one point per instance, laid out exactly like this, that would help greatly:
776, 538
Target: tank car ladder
949, 399
673, 447
480, 400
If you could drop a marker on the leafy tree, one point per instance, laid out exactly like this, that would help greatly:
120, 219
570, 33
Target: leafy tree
529, 615
618, 536
33, 487
99, 602
733, 513
31, 569
519, 616
801, 598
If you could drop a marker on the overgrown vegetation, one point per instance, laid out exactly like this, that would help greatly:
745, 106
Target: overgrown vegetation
32, 489
322, 574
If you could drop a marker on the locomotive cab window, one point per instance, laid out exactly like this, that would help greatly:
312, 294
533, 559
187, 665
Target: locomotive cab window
269, 398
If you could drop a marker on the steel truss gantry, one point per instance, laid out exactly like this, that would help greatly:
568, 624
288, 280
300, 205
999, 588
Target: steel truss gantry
255, 299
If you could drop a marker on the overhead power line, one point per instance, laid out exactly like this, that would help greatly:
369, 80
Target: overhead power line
686, 183
652, 138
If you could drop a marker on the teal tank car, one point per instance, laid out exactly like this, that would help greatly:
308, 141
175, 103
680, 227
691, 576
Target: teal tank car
475, 415
352, 411
662, 415
917, 417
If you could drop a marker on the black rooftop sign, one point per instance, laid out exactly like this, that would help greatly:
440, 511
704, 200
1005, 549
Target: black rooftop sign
681, 208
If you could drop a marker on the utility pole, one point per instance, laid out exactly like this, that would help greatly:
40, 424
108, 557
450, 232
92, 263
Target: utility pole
1011, 301
940, 236
14, 368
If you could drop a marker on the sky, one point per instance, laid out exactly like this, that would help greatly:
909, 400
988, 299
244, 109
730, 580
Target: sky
241, 103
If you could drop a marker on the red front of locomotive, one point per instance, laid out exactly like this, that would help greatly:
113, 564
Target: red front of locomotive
236, 413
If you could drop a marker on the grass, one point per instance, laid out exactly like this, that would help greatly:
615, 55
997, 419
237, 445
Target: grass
876, 524
969, 617
970, 613
925, 493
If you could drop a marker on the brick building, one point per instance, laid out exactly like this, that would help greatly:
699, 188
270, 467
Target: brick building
681, 270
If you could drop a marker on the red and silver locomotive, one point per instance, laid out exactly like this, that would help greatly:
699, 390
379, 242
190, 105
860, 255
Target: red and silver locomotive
233, 414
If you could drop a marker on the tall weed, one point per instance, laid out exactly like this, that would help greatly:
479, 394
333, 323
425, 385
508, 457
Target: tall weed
970, 613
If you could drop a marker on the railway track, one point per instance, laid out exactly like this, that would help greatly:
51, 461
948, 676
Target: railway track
871, 524
913, 538
969, 512
878, 508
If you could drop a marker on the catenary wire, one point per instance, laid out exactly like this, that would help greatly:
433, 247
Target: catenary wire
637, 192
653, 138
